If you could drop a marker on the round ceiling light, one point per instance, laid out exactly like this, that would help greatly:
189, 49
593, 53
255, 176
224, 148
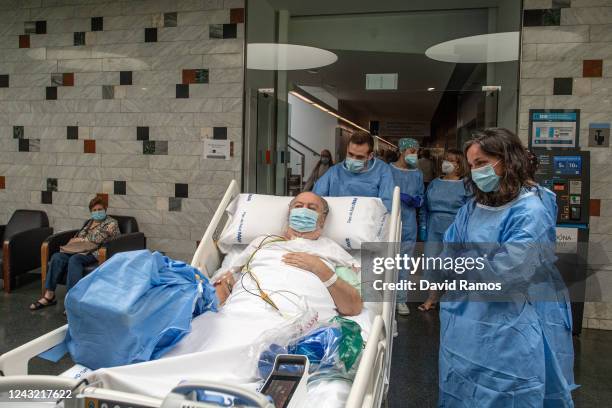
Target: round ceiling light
496, 47
286, 57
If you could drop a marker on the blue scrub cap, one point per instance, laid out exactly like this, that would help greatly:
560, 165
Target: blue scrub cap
407, 143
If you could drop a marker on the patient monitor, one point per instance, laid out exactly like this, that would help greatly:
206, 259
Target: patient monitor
287, 383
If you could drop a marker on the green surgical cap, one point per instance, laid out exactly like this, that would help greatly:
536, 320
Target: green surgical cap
407, 143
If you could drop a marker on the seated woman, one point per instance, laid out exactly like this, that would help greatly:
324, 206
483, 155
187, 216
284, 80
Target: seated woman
98, 229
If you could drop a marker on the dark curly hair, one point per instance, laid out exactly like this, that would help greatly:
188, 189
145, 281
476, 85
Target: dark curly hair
507, 147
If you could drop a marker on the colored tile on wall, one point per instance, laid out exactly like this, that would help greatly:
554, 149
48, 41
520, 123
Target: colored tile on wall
4, 81
41, 27
181, 190
161, 147
148, 147
18, 132
108, 92
563, 86
51, 184
51, 93
230, 30
68, 79
195, 76
540, 18
151, 34
2, 183
72, 132
174, 204
125, 78
170, 19
46, 197
215, 31
79, 38
220, 133
236, 15
119, 187
592, 68
24, 145
89, 146
142, 133
29, 27
182, 91
34, 145
97, 23
595, 207
24, 41
57, 79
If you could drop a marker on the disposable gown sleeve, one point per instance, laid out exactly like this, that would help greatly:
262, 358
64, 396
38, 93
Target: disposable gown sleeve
321, 187
385, 191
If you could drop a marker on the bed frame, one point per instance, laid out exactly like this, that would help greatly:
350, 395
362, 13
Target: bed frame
371, 381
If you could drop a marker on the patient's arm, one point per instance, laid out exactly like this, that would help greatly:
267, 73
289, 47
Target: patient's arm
223, 286
346, 297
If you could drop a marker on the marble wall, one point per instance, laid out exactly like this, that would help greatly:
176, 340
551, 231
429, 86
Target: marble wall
116, 98
566, 63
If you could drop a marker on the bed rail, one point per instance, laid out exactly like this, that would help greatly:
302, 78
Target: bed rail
207, 257
15, 362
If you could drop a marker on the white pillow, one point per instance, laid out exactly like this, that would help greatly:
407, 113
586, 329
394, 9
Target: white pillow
350, 222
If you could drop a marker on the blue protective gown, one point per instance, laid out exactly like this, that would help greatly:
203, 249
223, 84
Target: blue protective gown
410, 181
375, 181
443, 200
508, 354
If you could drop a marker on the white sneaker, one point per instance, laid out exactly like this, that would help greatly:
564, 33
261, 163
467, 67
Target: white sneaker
395, 332
403, 309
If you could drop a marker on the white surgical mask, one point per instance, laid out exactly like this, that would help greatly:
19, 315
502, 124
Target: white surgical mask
448, 167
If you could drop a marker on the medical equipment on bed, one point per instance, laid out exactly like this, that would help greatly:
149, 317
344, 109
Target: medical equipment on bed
286, 385
371, 381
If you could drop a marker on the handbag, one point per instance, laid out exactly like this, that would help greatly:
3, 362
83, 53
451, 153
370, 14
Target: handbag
80, 247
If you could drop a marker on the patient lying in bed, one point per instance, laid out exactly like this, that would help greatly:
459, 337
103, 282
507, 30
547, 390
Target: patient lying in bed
261, 288
306, 258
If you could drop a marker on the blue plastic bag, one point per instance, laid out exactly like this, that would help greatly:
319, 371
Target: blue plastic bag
133, 308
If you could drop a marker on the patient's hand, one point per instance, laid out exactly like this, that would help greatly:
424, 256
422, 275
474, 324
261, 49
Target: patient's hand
310, 263
224, 286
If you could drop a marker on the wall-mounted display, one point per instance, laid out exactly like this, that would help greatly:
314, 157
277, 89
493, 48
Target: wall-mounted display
554, 128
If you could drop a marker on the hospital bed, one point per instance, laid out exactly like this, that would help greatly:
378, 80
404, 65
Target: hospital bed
369, 387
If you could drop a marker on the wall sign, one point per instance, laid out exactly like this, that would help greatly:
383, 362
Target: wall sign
554, 128
217, 149
599, 135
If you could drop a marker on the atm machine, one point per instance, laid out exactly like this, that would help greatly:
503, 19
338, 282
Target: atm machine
566, 173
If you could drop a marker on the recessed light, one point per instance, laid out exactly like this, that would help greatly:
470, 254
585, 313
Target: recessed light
431, 89
494, 47
285, 57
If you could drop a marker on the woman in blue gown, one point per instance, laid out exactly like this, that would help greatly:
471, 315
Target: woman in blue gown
444, 197
516, 352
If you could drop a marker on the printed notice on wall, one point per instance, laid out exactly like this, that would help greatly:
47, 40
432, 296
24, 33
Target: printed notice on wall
550, 128
217, 149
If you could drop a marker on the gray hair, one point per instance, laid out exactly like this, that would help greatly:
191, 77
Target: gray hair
323, 202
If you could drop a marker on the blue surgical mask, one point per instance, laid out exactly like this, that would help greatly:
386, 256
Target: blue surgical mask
485, 178
411, 159
303, 219
354, 165
99, 215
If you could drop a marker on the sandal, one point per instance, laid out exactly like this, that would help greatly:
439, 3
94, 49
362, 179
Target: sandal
37, 305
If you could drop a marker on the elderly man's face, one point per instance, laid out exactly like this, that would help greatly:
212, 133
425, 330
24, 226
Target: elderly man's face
312, 202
